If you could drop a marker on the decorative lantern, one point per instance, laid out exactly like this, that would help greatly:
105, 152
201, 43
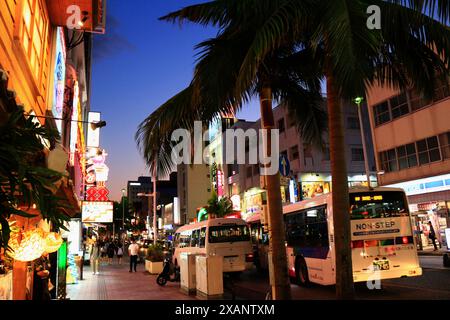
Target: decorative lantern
28, 245
53, 241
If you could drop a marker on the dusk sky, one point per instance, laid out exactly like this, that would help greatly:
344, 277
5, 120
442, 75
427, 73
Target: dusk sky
138, 64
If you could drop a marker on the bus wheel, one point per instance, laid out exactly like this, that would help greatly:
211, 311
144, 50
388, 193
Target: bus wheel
301, 272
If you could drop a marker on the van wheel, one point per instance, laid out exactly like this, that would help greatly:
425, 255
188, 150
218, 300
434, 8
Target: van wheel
301, 272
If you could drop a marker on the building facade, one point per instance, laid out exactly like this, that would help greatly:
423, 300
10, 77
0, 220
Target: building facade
309, 172
412, 144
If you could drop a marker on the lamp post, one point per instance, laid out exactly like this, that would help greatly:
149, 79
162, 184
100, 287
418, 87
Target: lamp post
123, 210
358, 101
149, 196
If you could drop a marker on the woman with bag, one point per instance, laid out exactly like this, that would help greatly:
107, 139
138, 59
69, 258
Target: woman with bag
119, 253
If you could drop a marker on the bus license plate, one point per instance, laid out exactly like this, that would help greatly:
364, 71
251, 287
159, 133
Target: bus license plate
381, 265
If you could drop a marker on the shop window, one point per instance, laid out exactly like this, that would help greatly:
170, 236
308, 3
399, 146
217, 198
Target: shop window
399, 105
281, 126
294, 153
444, 141
381, 113
353, 123
357, 154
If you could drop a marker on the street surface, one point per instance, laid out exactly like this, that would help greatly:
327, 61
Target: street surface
116, 283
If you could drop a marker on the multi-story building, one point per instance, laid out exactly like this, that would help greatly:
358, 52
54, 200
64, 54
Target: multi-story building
194, 190
139, 204
310, 172
45, 67
412, 144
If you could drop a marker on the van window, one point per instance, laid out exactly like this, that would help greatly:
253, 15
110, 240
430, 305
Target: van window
195, 238
202, 239
228, 233
185, 238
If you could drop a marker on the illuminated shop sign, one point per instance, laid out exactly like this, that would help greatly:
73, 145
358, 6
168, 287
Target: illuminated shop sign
236, 200
59, 78
93, 211
74, 124
93, 136
421, 186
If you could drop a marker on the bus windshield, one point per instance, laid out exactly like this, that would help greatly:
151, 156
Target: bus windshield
373, 205
228, 233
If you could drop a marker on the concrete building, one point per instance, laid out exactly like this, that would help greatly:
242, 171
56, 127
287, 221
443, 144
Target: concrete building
309, 173
194, 190
412, 145
139, 205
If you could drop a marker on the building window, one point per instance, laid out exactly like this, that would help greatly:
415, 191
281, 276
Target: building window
281, 126
353, 123
307, 154
382, 114
33, 35
428, 150
444, 141
357, 154
399, 105
249, 172
416, 100
389, 160
407, 156
294, 153
442, 90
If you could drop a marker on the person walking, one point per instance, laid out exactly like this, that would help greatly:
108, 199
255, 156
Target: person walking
95, 256
111, 252
119, 253
133, 251
432, 235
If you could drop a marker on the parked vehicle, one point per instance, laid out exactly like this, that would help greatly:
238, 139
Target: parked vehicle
170, 273
227, 237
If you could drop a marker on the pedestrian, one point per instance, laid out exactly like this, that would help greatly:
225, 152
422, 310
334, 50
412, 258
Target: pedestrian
95, 256
111, 251
133, 251
432, 235
119, 253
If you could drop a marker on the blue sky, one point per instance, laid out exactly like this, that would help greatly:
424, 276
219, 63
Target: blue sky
137, 65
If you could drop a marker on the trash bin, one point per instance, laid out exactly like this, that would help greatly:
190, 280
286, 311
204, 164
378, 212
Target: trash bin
209, 276
188, 272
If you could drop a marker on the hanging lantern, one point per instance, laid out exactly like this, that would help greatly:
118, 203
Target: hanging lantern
28, 245
53, 241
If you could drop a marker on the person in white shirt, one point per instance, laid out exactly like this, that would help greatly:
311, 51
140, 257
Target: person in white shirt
133, 250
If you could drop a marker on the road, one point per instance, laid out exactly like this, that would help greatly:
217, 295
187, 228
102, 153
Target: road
434, 284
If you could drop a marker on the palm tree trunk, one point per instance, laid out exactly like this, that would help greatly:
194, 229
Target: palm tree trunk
279, 278
341, 217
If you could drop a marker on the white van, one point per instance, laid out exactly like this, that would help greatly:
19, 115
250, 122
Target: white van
227, 237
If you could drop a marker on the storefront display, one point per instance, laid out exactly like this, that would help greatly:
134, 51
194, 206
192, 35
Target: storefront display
313, 189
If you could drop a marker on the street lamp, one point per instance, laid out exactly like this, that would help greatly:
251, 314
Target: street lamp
149, 196
358, 101
123, 210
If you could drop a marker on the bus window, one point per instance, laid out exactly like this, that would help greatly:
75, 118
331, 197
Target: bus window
202, 239
231, 233
307, 228
185, 239
195, 238
379, 205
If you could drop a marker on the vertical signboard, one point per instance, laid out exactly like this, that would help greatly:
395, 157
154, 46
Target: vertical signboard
74, 123
59, 78
93, 137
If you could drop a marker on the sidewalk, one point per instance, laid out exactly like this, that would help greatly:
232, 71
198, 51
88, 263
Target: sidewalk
430, 251
115, 282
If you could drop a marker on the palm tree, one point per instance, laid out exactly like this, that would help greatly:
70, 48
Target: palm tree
410, 50
284, 74
24, 179
219, 207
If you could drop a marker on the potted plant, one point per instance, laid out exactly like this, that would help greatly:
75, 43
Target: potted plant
154, 260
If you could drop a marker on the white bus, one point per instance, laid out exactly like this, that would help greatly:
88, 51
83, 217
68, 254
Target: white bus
227, 237
383, 246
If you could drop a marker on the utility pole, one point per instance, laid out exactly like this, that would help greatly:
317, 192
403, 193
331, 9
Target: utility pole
358, 101
123, 210
155, 229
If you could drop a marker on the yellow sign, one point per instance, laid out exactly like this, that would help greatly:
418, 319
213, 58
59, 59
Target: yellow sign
369, 198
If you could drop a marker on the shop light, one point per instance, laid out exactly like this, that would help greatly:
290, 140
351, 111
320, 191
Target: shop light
53, 241
27, 246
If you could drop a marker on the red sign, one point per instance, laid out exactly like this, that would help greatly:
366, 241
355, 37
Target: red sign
97, 194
